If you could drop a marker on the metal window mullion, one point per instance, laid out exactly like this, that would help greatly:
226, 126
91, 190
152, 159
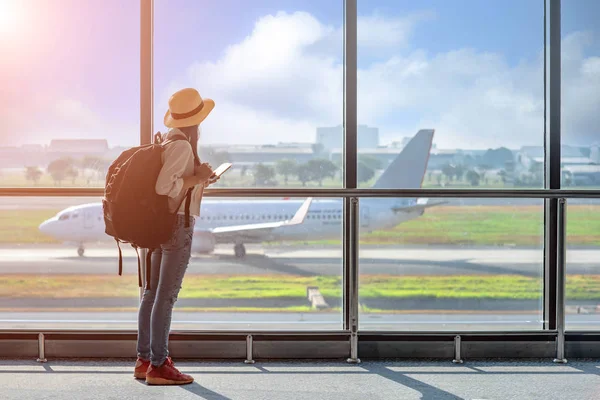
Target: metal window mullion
553, 160
146, 92
350, 156
560, 281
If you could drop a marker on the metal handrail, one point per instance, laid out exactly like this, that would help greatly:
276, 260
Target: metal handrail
327, 192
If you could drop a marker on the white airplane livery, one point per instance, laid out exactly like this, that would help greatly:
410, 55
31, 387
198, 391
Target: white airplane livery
239, 222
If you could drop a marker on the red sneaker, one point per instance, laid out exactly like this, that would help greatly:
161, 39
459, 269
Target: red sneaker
167, 374
141, 367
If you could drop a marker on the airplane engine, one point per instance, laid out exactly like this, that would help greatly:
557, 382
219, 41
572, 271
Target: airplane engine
203, 243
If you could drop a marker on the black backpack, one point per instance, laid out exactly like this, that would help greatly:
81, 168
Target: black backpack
133, 212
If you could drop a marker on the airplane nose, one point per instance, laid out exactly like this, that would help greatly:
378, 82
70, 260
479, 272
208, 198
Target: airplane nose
46, 227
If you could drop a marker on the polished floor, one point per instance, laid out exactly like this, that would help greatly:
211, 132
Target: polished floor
404, 380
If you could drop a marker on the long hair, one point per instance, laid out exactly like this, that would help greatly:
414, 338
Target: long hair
193, 136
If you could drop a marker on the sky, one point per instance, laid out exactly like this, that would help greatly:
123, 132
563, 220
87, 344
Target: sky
473, 72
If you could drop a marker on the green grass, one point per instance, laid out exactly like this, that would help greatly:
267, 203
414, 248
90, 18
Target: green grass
486, 226
474, 225
21, 226
515, 287
456, 225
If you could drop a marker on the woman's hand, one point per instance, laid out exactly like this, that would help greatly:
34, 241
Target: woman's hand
203, 172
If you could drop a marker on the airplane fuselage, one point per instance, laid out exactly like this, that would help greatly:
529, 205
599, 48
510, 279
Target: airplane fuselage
85, 223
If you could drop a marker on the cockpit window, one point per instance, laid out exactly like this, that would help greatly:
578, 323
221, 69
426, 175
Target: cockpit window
64, 217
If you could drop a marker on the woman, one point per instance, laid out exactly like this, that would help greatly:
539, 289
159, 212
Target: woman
181, 173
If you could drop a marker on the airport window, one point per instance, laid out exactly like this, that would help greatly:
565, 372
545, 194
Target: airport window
89, 105
583, 243
272, 292
407, 74
286, 128
580, 86
78, 289
452, 268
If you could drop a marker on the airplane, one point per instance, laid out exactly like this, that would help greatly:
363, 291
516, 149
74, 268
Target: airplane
241, 222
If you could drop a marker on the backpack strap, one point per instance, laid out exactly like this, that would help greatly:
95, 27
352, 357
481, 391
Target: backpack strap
188, 200
139, 264
120, 257
148, 268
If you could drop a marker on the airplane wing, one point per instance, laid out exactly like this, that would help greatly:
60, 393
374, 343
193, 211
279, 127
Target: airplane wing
420, 206
260, 229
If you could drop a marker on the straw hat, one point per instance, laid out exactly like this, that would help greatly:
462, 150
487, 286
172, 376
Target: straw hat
187, 108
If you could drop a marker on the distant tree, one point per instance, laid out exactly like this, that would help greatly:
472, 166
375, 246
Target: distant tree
469, 160
303, 173
438, 178
244, 171
72, 173
263, 174
503, 176
459, 171
97, 165
33, 174
286, 167
473, 177
449, 171
536, 172
497, 157
320, 169
91, 162
370, 161
364, 172
483, 170
60, 170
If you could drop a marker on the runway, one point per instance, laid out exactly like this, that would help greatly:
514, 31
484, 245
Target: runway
305, 261
292, 321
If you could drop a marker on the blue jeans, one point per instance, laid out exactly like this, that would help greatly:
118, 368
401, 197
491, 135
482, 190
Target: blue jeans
169, 264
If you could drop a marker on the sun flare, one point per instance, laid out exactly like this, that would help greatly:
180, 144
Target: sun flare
10, 15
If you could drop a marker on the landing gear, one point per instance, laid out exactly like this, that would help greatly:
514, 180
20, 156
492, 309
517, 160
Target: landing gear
239, 250
81, 251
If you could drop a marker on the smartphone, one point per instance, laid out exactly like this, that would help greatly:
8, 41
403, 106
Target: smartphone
221, 169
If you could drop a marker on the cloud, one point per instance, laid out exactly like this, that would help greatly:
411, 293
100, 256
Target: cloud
279, 84
380, 32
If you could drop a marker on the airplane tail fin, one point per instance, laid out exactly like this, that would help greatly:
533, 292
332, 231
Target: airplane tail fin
408, 169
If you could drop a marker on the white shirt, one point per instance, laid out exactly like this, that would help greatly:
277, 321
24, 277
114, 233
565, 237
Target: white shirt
178, 163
